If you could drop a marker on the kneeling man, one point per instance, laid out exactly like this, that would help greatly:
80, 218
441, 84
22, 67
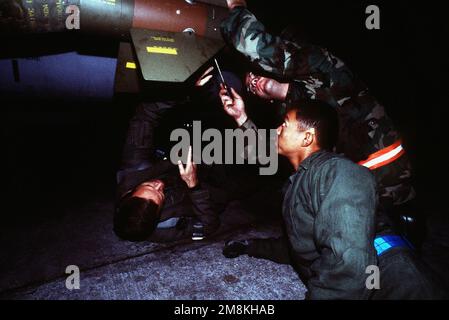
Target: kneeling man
336, 235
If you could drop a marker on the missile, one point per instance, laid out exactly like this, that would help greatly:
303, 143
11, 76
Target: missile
114, 17
171, 39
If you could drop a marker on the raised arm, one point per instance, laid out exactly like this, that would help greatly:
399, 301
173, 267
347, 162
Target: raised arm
199, 196
312, 71
283, 58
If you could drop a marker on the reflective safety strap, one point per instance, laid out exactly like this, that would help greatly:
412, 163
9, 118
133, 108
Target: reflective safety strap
385, 243
384, 156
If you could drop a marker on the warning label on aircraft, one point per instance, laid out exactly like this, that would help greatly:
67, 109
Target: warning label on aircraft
164, 39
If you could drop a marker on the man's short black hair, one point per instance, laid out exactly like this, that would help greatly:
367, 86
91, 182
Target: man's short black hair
321, 116
135, 218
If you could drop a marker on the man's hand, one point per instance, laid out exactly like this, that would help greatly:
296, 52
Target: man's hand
235, 3
205, 77
188, 174
235, 248
234, 106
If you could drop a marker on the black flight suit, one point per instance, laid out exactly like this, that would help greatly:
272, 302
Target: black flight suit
182, 207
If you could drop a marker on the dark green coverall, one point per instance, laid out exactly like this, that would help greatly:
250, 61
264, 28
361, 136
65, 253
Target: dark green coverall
331, 221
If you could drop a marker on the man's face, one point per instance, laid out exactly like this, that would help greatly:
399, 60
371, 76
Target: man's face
289, 136
260, 86
151, 190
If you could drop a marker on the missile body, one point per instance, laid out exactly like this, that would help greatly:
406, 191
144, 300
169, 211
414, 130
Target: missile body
171, 39
112, 17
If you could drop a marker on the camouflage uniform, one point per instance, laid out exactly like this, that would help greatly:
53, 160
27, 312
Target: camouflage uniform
314, 73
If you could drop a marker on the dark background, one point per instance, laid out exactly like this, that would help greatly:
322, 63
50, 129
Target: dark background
61, 147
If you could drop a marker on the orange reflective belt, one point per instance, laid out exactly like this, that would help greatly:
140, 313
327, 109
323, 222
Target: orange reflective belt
384, 156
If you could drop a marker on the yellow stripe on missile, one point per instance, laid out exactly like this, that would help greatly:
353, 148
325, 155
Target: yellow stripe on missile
109, 2
162, 50
130, 65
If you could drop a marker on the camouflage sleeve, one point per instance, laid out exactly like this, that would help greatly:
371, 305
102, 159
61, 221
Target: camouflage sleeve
247, 35
312, 70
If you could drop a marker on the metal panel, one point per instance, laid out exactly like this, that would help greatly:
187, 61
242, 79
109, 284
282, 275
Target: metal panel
170, 56
107, 17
